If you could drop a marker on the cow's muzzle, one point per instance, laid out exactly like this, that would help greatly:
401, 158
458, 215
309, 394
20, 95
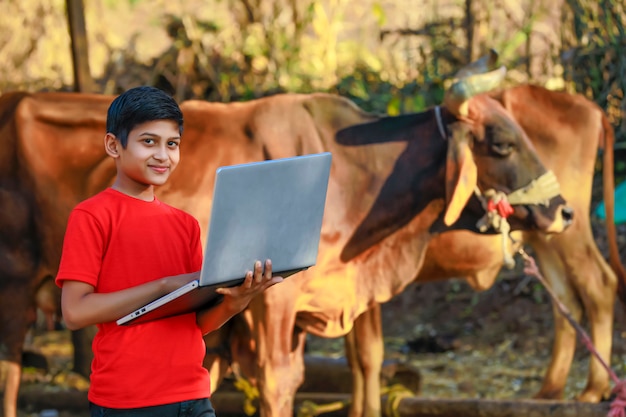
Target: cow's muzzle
564, 217
541, 192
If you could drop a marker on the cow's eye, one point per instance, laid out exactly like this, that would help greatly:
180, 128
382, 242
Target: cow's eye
502, 148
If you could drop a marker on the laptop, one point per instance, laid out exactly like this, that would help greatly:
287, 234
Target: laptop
261, 210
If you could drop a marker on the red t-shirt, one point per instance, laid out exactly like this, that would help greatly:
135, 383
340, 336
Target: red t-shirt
114, 241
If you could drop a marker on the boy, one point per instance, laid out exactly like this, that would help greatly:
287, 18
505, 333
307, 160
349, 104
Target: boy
122, 249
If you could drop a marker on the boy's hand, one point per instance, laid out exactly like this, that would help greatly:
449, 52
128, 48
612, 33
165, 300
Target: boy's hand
257, 281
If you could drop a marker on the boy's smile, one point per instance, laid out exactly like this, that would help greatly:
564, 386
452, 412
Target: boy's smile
151, 155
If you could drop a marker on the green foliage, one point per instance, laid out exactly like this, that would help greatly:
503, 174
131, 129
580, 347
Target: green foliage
116, 3
366, 88
598, 64
379, 14
389, 58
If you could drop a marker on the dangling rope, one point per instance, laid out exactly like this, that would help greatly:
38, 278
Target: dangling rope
497, 209
619, 403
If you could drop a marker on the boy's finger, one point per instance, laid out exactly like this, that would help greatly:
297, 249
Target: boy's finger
268, 269
247, 283
258, 271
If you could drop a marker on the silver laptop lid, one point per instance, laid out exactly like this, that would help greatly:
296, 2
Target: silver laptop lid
266, 210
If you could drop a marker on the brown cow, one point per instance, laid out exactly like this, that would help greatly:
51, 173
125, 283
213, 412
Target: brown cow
567, 131
33, 211
374, 236
53, 159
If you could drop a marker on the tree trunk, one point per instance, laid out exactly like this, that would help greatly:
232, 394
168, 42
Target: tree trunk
83, 82
469, 30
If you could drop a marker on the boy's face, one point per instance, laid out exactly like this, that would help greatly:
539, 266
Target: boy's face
151, 155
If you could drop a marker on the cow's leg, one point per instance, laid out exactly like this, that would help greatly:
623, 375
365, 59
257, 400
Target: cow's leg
83, 354
358, 379
279, 347
14, 323
564, 345
217, 358
599, 300
365, 353
595, 283
230, 349
48, 301
11, 388
18, 277
578, 273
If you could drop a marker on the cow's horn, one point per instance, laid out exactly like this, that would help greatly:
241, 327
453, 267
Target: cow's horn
457, 95
480, 66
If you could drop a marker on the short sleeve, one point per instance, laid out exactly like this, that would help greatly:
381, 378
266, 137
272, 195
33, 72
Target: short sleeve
84, 245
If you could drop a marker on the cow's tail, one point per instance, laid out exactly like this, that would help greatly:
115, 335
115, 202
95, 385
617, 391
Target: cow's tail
608, 189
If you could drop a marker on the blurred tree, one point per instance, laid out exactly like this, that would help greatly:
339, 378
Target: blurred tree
83, 81
593, 54
594, 61
469, 29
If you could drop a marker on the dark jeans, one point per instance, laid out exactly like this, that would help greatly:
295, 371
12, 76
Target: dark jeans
194, 408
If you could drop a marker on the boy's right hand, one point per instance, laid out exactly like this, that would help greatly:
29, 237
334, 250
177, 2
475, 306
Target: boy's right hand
255, 282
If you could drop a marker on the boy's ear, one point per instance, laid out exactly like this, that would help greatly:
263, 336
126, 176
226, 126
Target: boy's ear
111, 145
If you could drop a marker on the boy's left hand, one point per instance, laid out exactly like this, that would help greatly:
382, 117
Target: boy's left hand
254, 284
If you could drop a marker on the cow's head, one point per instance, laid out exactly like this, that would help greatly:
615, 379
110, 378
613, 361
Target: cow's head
490, 158
470, 152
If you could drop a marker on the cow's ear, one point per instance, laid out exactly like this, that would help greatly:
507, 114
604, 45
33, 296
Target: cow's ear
461, 173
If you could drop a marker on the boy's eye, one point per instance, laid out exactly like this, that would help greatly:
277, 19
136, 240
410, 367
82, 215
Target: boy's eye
172, 143
149, 141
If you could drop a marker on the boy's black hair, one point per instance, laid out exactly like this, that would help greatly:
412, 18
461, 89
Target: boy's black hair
139, 105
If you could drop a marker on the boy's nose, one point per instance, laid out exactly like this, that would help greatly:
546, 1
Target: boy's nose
161, 153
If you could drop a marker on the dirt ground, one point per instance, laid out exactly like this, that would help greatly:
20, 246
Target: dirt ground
494, 344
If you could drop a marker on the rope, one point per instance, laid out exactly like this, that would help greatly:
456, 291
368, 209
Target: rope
498, 206
395, 394
310, 409
251, 393
619, 402
538, 191
497, 209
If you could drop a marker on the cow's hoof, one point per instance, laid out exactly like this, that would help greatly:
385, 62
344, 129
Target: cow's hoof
545, 394
590, 395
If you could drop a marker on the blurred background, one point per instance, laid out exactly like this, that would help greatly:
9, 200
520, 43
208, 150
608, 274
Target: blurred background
388, 56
